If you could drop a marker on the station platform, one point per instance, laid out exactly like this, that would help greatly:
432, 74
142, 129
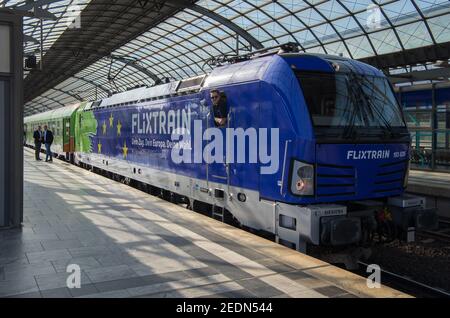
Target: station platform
435, 186
131, 244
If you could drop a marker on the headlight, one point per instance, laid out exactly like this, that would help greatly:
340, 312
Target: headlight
302, 178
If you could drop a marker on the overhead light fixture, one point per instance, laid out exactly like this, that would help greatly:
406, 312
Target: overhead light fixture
30, 62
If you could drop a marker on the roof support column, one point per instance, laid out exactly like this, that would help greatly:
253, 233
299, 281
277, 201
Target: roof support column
11, 120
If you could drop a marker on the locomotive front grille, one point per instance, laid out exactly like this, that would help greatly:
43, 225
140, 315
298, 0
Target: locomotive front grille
390, 177
340, 181
335, 181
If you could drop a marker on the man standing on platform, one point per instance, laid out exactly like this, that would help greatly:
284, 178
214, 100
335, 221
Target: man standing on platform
48, 140
37, 136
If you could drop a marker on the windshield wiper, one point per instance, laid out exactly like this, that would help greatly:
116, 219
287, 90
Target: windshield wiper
381, 116
375, 108
353, 97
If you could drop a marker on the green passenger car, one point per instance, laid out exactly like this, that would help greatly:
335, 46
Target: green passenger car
61, 122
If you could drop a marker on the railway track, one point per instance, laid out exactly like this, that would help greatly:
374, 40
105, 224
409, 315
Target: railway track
437, 235
442, 234
445, 221
407, 285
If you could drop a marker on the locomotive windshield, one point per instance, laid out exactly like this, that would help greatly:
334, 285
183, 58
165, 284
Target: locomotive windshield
351, 101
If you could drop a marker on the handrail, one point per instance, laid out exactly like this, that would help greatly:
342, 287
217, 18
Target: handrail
286, 144
207, 161
227, 164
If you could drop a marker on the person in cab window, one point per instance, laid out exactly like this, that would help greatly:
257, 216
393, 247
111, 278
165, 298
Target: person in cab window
219, 101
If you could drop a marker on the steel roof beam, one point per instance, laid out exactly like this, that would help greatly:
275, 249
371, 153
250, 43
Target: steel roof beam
222, 20
28, 38
134, 64
76, 96
36, 10
439, 74
107, 91
34, 4
37, 14
33, 108
228, 23
53, 100
408, 57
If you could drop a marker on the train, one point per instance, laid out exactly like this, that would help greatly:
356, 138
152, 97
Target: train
314, 150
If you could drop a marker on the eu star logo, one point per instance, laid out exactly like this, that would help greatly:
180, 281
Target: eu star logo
125, 150
99, 146
104, 127
111, 120
119, 127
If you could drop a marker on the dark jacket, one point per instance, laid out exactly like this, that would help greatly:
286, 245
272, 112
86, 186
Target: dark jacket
48, 137
37, 137
220, 110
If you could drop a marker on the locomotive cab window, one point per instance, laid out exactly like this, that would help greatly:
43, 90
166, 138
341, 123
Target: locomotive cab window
350, 102
219, 107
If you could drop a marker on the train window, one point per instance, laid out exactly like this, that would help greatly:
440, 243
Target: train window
349, 100
191, 84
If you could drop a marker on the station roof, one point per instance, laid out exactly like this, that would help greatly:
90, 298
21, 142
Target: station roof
140, 42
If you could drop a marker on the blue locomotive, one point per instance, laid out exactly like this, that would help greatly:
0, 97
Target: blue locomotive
311, 148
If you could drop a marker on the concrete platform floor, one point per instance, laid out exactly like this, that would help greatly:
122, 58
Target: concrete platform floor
130, 244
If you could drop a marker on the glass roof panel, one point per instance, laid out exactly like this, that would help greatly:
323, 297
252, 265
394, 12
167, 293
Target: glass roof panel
275, 29
431, 8
357, 5
332, 9
359, 47
397, 9
274, 10
346, 25
440, 27
306, 38
293, 5
325, 33
414, 35
310, 17
337, 48
385, 41
291, 23
179, 46
208, 4
260, 35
